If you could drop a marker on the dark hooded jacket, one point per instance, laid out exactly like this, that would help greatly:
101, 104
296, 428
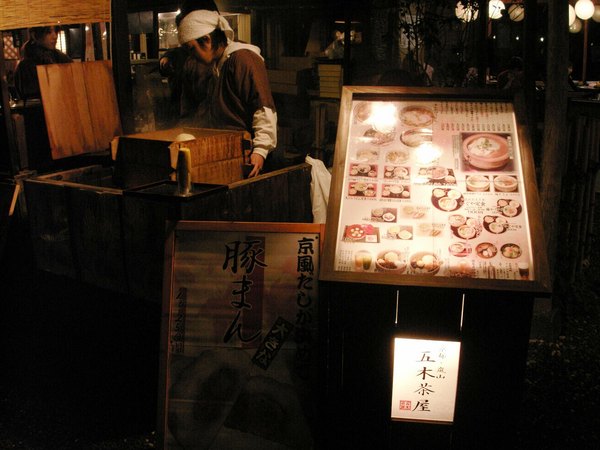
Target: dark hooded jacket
26, 78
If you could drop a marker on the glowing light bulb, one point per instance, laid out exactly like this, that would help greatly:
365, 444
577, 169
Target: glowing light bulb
596, 15
516, 12
576, 27
495, 8
468, 13
584, 9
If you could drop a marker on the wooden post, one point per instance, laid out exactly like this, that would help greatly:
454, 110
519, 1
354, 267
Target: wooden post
482, 56
585, 51
13, 151
554, 138
347, 46
122, 65
530, 44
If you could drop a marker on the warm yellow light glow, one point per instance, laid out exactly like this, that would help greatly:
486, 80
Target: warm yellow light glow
61, 42
576, 27
516, 12
596, 16
495, 8
427, 153
468, 13
383, 117
572, 15
584, 9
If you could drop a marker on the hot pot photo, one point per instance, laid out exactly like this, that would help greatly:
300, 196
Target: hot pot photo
486, 151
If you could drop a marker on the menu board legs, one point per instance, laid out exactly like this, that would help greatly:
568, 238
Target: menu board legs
448, 375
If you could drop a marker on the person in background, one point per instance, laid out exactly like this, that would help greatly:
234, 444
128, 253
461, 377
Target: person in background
187, 78
335, 50
572, 84
239, 95
512, 77
40, 49
471, 78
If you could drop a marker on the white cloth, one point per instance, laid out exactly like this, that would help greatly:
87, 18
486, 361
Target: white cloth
231, 48
320, 184
202, 22
264, 124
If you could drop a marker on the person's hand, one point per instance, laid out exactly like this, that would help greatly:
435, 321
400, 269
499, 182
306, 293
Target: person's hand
165, 65
257, 162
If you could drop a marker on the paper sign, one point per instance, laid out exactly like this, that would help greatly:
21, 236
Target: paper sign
434, 188
424, 380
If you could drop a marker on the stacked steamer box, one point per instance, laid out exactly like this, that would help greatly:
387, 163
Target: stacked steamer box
84, 224
283, 81
330, 80
217, 156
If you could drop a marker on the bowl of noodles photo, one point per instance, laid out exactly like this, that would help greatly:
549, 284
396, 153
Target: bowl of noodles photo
417, 116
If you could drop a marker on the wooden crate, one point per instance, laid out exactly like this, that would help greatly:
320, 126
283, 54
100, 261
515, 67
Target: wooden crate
8, 200
279, 196
84, 227
75, 226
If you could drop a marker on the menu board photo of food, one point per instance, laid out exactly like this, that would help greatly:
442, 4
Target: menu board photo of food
433, 188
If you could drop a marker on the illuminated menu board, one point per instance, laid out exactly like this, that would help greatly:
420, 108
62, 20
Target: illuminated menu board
433, 188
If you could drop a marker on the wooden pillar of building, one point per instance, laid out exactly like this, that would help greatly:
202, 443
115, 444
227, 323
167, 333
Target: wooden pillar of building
530, 46
121, 64
13, 153
554, 143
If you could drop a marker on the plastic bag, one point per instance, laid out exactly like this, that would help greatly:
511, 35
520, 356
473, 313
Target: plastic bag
319, 189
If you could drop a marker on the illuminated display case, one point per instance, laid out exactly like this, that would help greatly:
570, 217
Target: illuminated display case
433, 254
434, 187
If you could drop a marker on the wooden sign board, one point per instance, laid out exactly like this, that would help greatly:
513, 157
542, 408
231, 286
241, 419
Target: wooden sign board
239, 334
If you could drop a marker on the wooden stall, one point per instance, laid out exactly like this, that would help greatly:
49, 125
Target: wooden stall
104, 224
8, 200
434, 253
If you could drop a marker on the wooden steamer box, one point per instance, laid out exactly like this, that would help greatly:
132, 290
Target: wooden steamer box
217, 155
105, 225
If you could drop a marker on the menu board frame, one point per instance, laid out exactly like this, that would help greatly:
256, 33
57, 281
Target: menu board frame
539, 281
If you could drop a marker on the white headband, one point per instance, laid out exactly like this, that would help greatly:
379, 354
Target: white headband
200, 23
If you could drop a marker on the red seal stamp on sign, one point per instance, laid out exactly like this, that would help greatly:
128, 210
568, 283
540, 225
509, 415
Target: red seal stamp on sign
405, 405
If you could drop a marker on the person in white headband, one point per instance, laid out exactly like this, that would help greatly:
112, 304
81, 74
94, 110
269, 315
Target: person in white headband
239, 95
187, 78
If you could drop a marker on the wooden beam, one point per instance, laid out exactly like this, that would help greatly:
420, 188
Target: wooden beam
13, 152
122, 65
555, 117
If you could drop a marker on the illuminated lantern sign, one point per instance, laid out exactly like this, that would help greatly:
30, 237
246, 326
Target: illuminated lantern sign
424, 380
